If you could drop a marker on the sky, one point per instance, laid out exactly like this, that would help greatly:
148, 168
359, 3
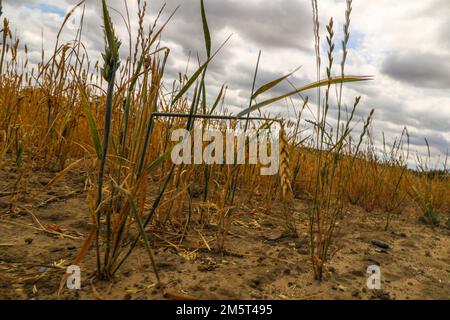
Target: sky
403, 44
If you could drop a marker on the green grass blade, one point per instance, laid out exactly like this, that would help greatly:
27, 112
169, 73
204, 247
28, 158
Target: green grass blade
216, 103
190, 82
108, 27
65, 121
271, 84
313, 85
196, 74
141, 228
156, 163
92, 125
158, 33
206, 30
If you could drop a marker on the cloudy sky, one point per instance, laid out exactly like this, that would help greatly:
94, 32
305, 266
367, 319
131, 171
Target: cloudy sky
404, 44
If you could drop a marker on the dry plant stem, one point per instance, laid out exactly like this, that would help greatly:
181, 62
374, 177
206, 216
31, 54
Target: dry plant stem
285, 172
111, 57
344, 59
331, 177
285, 182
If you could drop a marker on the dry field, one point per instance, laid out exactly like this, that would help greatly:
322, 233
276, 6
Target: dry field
86, 179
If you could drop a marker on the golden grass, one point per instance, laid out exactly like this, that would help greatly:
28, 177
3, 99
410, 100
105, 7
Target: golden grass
59, 113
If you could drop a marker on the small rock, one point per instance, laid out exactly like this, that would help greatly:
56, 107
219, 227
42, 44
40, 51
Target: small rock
267, 224
338, 287
42, 269
166, 266
226, 292
44, 181
380, 244
205, 267
355, 293
196, 287
284, 253
304, 252
357, 273
255, 283
138, 286
4, 204
274, 236
408, 244
211, 226
380, 295
373, 260
126, 273
341, 288
127, 296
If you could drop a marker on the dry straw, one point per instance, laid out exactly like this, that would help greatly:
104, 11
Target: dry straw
285, 172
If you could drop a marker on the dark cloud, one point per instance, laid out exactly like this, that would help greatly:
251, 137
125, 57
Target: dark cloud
435, 140
421, 69
391, 110
268, 24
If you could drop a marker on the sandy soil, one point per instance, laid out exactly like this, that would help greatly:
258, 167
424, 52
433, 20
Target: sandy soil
261, 262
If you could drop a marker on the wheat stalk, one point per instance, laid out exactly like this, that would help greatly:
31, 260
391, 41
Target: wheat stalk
285, 173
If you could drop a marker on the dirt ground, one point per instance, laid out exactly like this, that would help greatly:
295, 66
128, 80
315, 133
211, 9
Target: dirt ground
261, 262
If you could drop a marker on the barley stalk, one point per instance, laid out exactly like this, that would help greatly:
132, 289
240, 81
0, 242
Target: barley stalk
285, 173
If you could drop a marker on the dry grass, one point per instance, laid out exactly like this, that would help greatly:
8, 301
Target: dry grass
59, 113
